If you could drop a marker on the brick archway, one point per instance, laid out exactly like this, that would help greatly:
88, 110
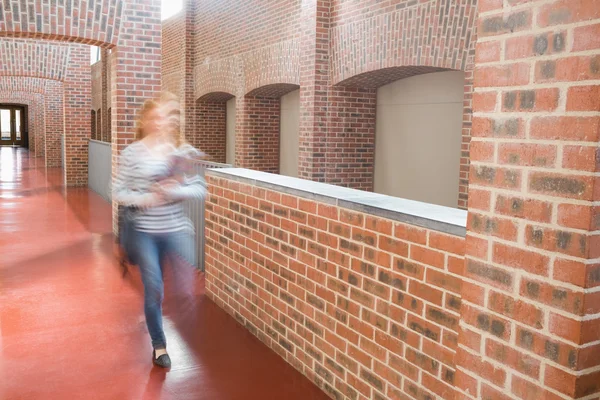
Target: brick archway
22, 84
258, 127
35, 58
35, 121
416, 44
67, 23
376, 78
274, 65
32, 92
273, 91
135, 61
361, 91
425, 44
217, 77
46, 124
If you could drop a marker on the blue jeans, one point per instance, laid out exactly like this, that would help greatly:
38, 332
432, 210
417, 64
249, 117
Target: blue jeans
149, 251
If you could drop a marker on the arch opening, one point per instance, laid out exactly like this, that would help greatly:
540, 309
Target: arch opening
270, 128
384, 76
274, 91
418, 137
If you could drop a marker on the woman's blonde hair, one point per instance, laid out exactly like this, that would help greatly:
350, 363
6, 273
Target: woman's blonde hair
151, 105
147, 107
174, 113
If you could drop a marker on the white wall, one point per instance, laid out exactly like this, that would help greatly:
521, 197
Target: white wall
230, 133
289, 131
418, 138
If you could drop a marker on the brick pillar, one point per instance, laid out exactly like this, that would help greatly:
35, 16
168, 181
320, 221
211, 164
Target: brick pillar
257, 133
135, 72
530, 314
463, 183
188, 101
33, 127
337, 125
104, 133
32, 123
314, 81
41, 139
29, 127
40, 131
54, 110
77, 124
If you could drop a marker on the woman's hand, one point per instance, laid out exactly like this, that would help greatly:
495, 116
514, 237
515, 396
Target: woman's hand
164, 188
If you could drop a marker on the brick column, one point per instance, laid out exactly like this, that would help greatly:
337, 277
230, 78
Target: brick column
465, 148
53, 107
40, 131
135, 70
77, 124
530, 325
32, 122
188, 102
314, 81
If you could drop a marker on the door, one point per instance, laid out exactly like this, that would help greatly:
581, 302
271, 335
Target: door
12, 126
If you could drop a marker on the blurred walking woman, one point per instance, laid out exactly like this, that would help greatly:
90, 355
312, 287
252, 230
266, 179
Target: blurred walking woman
151, 192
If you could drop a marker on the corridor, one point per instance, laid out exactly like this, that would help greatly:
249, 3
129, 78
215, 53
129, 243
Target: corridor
71, 327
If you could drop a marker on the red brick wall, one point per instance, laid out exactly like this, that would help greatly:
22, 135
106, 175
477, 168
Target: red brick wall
351, 137
366, 307
531, 307
178, 66
211, 126
257, 133
173, 66
243, 26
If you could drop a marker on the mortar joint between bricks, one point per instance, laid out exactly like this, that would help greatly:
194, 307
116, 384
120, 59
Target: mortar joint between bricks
534, 196
532, 276
508, 381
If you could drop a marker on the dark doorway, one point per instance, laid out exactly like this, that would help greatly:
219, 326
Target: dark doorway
13, 130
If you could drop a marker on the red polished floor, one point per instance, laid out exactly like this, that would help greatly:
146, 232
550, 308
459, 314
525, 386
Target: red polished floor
72, 328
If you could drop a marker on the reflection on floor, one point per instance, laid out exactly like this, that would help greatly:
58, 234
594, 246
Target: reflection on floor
72, 328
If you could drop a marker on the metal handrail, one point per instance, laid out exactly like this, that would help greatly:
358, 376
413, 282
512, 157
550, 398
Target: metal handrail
195, 211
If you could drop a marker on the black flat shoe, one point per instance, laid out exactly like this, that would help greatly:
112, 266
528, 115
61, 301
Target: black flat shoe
163, 361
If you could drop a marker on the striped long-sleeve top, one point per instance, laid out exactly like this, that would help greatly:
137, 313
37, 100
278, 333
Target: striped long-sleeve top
138, 171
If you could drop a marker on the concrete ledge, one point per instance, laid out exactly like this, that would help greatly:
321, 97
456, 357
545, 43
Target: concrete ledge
443, 219
100, 142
